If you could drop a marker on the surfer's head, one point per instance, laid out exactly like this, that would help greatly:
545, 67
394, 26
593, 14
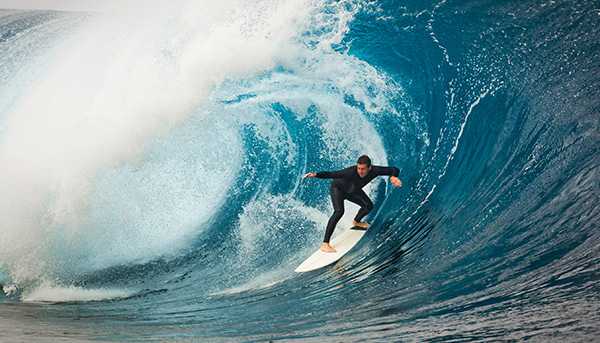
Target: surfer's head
363, 165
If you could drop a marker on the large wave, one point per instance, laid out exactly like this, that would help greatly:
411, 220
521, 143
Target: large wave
151, 159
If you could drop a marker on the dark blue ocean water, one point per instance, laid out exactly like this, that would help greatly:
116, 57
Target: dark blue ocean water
151, 165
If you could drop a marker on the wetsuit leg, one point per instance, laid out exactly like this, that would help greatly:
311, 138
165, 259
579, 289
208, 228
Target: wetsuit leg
337, 199
362, 199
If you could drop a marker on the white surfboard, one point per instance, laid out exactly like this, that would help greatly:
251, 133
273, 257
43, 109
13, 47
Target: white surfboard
342, 243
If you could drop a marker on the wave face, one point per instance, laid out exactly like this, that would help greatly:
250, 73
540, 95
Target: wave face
151, 161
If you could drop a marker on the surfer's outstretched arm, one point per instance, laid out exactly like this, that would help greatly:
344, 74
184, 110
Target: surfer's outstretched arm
391, 171
338, 174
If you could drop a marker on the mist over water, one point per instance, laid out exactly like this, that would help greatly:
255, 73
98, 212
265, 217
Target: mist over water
151, 159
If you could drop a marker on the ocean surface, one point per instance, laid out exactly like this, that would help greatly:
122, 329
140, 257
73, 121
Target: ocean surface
151, 160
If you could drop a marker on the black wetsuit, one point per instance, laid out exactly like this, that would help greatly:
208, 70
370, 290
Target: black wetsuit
347, 184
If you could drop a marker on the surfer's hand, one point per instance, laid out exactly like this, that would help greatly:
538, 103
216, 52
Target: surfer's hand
309, 175
396, 181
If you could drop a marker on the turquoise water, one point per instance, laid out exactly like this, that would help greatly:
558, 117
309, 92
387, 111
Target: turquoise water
151, 162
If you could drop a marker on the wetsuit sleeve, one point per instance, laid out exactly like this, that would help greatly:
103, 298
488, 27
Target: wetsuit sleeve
338, 174
392, 171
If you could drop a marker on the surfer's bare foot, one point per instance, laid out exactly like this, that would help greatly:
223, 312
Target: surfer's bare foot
326, 247
364, 225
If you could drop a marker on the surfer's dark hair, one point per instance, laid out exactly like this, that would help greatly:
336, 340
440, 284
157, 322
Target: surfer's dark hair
364, 159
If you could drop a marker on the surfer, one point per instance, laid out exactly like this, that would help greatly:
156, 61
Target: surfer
348, 184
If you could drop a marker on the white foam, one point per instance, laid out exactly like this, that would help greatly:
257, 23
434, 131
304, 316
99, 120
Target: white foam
109, 88
48, 293
9, 290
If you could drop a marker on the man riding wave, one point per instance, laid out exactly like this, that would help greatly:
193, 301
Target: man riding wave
347, 184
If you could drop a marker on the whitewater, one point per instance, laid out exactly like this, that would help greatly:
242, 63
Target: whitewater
151, 162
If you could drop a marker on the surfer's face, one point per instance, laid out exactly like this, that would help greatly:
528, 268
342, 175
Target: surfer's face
362, 169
